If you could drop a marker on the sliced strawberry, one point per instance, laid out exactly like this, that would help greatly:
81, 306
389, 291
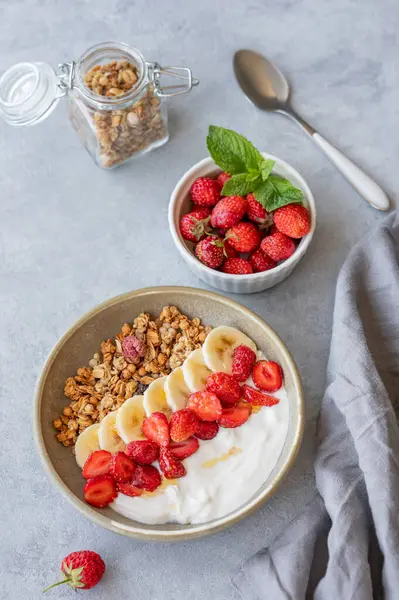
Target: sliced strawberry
205, 405
225, 386
97, 464
143, 452
156, 428
243, 360
100, 491
171, 467
129, 490
257, 398
234, 417
267, 375
184, 449
146, 477
207, 430
183, 425
121, 467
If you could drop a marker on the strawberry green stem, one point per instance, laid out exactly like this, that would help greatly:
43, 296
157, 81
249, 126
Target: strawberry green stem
58, 583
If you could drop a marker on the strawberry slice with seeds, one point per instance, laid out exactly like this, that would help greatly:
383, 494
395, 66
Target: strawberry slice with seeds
234, 417
121, 467
257, 398
171, 467
156, 428
243, 361
206, 405
183, 425
184, 449
267, 375
97, 464
146, 477
225, 386
143, 452
100, 491
129, 490
207, 430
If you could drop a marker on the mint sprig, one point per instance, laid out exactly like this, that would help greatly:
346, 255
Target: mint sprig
249, 171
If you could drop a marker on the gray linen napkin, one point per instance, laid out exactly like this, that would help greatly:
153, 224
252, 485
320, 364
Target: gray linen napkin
356, 510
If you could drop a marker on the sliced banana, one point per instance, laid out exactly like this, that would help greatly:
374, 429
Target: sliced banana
129, 418
219, 346
176, 390
195, 371
108, 436
87, 443
155, 398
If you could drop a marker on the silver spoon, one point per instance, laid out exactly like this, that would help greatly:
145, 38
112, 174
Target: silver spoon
268, 89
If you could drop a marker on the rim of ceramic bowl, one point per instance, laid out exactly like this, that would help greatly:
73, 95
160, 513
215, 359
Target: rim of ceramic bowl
196, 530
191, 258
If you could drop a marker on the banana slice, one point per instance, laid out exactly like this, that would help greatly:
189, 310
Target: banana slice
176, 390
108, 436
155, 398
129, 418
87, 443
195, 371
219, 346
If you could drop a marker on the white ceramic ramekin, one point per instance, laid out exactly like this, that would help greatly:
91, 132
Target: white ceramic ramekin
239, 284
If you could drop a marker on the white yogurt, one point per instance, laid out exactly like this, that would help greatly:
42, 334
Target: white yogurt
222, 475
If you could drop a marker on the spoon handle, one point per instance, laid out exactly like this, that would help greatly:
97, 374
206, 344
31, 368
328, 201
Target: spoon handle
367, 188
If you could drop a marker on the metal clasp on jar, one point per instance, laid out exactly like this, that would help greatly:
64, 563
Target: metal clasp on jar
156, 72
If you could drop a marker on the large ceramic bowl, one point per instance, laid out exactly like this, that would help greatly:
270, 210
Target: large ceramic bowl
180, 204
79, 344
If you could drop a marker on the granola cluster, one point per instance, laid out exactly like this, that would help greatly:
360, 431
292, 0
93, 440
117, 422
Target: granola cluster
112, 377
122, 133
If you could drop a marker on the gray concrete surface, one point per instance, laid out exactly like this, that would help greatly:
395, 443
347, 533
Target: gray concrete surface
72, 236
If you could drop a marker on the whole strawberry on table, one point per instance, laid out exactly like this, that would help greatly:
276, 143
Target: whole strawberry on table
247, 219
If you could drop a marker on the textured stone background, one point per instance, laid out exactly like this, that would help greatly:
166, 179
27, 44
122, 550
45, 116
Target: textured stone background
72, 236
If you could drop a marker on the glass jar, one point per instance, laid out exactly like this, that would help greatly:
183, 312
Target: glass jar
116, 100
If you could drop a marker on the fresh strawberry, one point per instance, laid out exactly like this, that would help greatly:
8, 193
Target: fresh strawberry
97, 464
194, 226
121, 467
171, 467
267, 375
183, 424
234, 417
237, 266
257, 213
257, 398
205, 405
243, 360
229, 251
184, 449
207, 430
244, 237
100, 491
146, 477
222, 178
205, 191
129, 490
82, 570
143, 452
260, 261
225, 386
278, 246
228, 211
293, 220
156, 428
210, 251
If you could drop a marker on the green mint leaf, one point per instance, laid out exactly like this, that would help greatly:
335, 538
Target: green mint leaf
232, 152
241, 184
276, 192
266, 168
